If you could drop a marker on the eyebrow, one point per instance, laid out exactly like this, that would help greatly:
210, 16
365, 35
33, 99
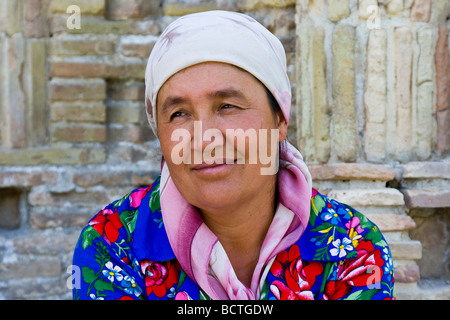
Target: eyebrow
224, 93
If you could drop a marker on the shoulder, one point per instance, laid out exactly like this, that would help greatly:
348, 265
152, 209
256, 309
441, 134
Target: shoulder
336, 231
116, 221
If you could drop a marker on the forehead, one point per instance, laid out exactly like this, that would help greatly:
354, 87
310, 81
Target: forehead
209, 78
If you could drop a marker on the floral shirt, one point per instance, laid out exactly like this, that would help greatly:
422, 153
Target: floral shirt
124, 253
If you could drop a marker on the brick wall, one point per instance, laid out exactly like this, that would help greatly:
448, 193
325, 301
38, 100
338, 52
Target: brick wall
370, 114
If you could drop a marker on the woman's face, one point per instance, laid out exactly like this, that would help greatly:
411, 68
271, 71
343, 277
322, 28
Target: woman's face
205, 109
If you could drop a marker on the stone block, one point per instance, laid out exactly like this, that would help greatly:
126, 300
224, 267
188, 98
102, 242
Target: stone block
126, 112
388, 222
31, 268
407, 273
365, 8
129, 132
420, 11
56, 156
96, 25
338, 10
322, 110
76, 45
94, 7
53, 217
137, 46
426, 41
131, 9
258, 4
27, 178
425, 124
427, 198
126, 91
77, 89
443, 130
74, 132
12, 16
406, 250
78, 112
343, 92
94, 68
42, 197
351, 171
10, 217
442, 65
368, 197
34, 81
426, 170
34, 19
403, 69
14, 131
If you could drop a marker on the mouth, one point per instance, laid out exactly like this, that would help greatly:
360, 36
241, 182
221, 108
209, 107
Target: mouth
212, 169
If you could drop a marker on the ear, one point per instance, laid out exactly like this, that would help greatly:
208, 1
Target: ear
282, 127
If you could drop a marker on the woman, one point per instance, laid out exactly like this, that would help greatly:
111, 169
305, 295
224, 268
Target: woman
233, 214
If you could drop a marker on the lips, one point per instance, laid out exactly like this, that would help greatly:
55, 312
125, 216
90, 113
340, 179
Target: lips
204, 165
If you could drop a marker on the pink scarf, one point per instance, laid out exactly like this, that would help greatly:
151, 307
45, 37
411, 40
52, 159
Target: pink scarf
201, 255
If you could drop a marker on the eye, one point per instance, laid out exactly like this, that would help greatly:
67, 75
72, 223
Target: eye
227, 106
177, 114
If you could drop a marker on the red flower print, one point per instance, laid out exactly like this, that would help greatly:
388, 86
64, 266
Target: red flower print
296, 279
159, 277
358, 272
107, 223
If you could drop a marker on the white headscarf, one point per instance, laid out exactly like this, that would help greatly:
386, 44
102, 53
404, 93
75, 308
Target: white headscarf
218, 36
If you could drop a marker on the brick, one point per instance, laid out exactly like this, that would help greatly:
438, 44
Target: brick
54, 217
126, 112
442, 65
403, 67
45, 242
95, 25
35, 91
13, 16
407, 273
26, 178
388, 222
42, 197
131, 9
443, 130
95, 7
351, 171
304, 91
338, 10
426, 170
94, 68
10, 208
406, 250
420, 11
257, 4
94, 112
14, 105
394, 8
375, 96
76, 45
368, 197
31, 268
175, 8
57, 156
77, 132
130, 133
343, 92
427, 198
137, 46
34, 19
322, 110
128, 90
77, 89
365, 8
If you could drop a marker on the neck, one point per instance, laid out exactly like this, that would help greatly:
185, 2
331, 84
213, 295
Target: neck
241, 229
